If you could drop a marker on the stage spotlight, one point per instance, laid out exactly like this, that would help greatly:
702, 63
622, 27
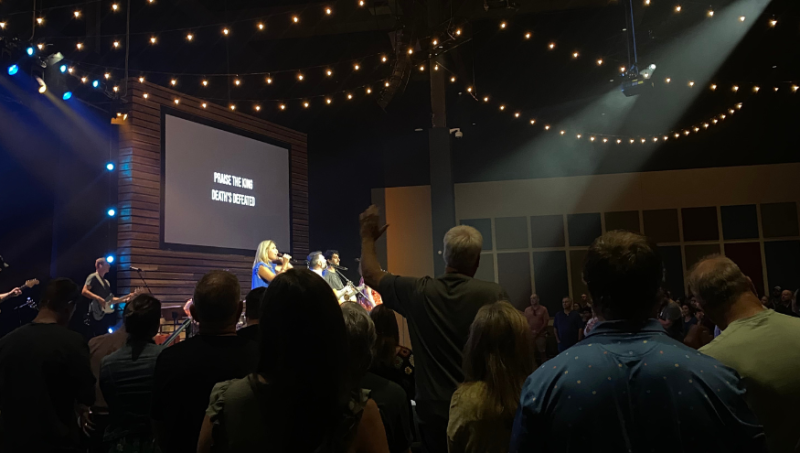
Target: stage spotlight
110, 166
30, 51
63, 68
111, 212
110, 330
13, 69
95, 84
109, 259
67, 96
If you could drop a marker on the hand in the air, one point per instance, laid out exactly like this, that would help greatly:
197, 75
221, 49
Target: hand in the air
370, 224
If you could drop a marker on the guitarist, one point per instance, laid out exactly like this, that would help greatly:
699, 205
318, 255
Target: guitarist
98, 290
13, 293
317, 264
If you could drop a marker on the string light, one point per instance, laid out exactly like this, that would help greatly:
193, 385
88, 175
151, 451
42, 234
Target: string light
469, 89
360, 2
225, 31
77, 14
300, 77
794, 88
115, 7
776, 89
575, 55
349, 96
116, 44
605, 140
386, 84
145, 95
177, 101
591, 139
329, 72
632, 141
383, 58
643, 140
269, 80
741, 18
328, 100
205, 83
755, 89
599, 62
369, 90
141, 79
237, 82
79, 46
305, 104
646, 2
685, 132
233, 107
452, 79
678, 9
710, 13
84, 79
713, 87
619, 141
665, 138
486, 99
152, 40
502, 107
677, 135
691, 83
295, 19
422, 67
257, 107
551, 46
705, 125
773, 23
563, 132
436, 67
533, 122
502, 25
173, 82
516, 115
189, 37
2, 25
579, 136
71, 70
410, 51
328, 11
39, 20
283, 106
547, 127
107, 75
260, 26
116, 89
458, 32
40, 46
735, 88
204, 105
528, 35
435, 42
667, 80
356, 67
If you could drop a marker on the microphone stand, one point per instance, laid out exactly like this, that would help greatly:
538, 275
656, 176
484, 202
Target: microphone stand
139, 271
360, 291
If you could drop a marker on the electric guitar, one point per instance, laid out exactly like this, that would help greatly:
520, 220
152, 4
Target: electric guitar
108, 305
28, 284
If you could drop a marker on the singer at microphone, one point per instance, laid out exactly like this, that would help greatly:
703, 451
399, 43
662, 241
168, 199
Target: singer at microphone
268, 264
329, 274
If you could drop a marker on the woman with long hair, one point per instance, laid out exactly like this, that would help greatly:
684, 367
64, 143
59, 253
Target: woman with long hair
268, 264
300, 398
497, 360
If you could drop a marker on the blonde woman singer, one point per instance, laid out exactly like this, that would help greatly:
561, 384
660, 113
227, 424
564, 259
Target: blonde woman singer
268, 264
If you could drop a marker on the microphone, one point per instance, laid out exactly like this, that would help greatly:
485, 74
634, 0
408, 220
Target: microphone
133, 268
336, 266
291, 261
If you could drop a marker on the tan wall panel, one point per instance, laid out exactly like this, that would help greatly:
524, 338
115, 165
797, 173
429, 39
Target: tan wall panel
408, 239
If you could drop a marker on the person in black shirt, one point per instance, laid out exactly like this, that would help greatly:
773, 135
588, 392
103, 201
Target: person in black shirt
252, 311
186, 373
44, 376
439, 312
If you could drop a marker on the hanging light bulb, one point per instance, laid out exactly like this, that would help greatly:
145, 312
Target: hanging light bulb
79, 46
260, 25
189, 36
300, 77
141, 79
383, 58
678, 9
237, 82
225, 31
328, 11
599, 62
295, 19
257, 107
205, 83
533, 122
551, 46
116, 44
502, 25
173, 82
145, 95
269, 80
452, 79
77, 14
152, 40
528, 35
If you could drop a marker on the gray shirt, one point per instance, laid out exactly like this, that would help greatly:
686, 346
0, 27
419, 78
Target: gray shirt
439, 312
99, 287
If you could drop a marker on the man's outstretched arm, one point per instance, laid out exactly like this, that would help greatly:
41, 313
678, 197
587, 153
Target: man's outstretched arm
370, 232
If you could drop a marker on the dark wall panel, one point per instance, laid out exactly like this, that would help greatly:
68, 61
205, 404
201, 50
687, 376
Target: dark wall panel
486, 268
514, 273
739, 222
695, 253
748, 257
576, 258
779, 219
623, 220
700, 224
550, 274
673, 269
511, 233
547, 231
661, 225
783, 264
583, 229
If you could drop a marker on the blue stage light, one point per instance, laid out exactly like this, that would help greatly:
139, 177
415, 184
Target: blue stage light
67, 96
110, 258
96, 83
110, 166
13, 69
63, 68
112, 212
30, 51
110, 330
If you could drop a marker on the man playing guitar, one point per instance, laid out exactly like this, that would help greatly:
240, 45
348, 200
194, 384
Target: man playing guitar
98, 290
317, 263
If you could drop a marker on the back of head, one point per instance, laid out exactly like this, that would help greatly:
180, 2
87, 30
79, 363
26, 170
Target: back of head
59, 294
252, 303
462, 248
387, 335
142, 317
216, 300
498, 353
302, 332
360, 339
312, 258
623, 271
717, 282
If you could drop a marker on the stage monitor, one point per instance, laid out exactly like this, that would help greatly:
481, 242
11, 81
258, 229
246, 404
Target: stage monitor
222, 190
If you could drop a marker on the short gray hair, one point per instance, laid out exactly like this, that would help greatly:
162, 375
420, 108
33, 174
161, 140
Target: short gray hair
718, 282
360, 337
462, 247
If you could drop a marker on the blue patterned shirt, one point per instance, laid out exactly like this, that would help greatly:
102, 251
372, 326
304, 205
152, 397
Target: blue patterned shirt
628, 388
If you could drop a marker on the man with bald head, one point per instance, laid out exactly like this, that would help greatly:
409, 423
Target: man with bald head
784, 305
439, 313
186, 372
747, 344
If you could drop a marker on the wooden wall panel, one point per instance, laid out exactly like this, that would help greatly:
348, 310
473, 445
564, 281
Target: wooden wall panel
172, 275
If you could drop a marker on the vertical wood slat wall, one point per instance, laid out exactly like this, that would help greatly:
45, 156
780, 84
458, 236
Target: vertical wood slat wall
172, 275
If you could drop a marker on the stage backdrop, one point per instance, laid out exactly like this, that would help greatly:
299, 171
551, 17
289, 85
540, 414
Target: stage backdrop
172, 274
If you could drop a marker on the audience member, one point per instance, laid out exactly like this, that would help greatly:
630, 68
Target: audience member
391, 361
567, 326
44, 376
538, 319
100, 347
439, 312
126, 378
252, 313
670, 318
689, 319
590, 324
629, 387
186, 372
497, 359
701, 333
784, 306
299, 399
775, 298
747, 344
390, 397
765, 301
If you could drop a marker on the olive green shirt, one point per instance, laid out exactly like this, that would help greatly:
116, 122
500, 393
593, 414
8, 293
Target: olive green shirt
765, 350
